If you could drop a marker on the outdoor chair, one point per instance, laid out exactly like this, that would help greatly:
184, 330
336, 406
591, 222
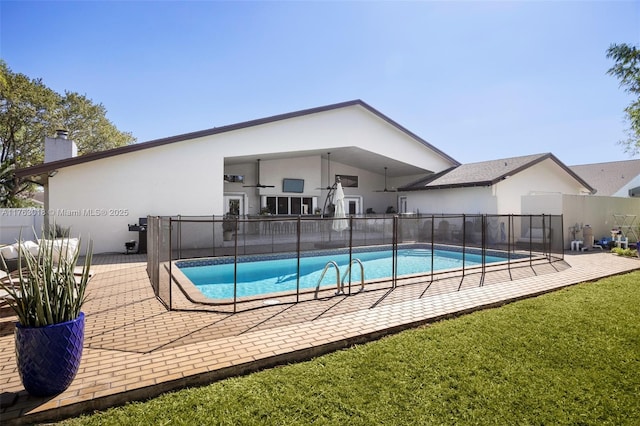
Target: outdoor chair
5, 299
468, 232
426, 232
8, 280
442, 233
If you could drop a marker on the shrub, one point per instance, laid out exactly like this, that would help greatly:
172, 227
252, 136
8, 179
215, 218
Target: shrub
625, 252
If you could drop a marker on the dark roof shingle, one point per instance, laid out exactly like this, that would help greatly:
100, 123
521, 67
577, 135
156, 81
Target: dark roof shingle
608, 178
485, 173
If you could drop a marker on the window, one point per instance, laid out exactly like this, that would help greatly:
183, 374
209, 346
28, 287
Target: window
283, 205
289, 205
296, 205
271, 205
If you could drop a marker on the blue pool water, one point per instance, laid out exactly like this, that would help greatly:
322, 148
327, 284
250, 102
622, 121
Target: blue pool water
270, 276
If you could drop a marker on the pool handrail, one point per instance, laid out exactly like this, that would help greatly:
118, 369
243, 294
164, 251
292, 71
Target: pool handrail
324, 271
348, 272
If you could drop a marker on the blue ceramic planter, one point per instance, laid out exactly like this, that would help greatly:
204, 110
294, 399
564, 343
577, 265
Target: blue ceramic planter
48, 357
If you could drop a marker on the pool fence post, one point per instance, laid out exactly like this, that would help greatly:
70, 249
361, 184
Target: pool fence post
213, 235
179, 237
170, 260
298, 226
463, 249
544, 239
350, 252
562, 236
235, 267
530, 241
464, 243
394, 245
509, 237
432, 247
483, 238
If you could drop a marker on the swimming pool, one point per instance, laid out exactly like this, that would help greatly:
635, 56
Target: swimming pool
257, 277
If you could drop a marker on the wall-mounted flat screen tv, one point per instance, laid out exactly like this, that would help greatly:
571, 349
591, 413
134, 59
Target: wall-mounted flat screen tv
293, 185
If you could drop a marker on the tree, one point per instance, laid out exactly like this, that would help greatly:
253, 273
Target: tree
29, 111
627, 70
88, 126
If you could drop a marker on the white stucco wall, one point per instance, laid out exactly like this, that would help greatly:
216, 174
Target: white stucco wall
452, 201
346, 127
100, 198
546, 177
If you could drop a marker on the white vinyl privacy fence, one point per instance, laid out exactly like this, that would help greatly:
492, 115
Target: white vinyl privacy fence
24, 223
602, 214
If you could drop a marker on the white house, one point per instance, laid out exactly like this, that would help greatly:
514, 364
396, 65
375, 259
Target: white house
284, 164
210, 172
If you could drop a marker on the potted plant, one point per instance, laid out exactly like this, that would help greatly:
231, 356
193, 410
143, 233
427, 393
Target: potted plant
47, 296
229, 223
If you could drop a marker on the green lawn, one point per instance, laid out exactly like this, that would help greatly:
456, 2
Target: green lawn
570, 357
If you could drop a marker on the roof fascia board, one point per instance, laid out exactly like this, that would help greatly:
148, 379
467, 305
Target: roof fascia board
449, 186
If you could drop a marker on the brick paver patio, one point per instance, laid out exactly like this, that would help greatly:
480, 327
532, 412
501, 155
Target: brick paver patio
135, 348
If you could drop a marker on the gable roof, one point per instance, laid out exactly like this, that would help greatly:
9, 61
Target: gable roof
485, 173
46, 167
608, 178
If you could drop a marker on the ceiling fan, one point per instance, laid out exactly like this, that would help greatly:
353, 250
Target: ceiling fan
328, 187
385, 184
258, 185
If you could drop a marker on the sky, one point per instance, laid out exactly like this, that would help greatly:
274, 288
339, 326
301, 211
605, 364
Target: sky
480, 80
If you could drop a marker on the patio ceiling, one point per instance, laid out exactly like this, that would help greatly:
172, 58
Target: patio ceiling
350, 156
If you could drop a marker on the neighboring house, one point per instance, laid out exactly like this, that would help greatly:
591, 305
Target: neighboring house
612, 179
493, 187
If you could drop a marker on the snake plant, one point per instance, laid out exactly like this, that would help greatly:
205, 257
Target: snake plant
46, 289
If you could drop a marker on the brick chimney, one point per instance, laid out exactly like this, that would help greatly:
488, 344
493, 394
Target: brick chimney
60, 147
